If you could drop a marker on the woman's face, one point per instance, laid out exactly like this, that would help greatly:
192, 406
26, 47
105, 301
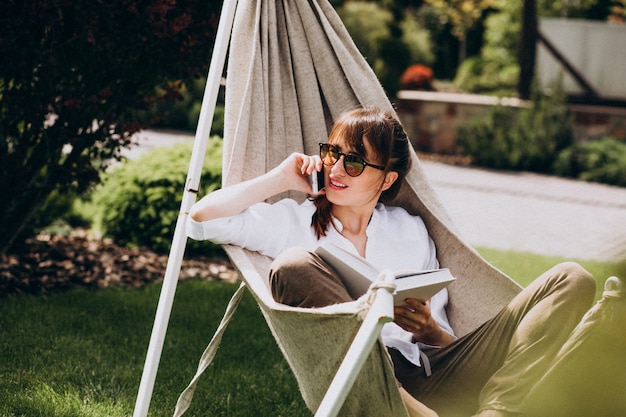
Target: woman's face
360, 191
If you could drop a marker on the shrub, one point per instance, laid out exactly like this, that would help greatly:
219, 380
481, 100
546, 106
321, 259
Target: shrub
495, 70
138, 202
478, 75
528, 138
488, 140
602, 161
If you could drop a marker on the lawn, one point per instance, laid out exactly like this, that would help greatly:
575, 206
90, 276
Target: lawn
81, 352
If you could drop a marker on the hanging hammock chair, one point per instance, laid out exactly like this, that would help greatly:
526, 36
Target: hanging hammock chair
292, 69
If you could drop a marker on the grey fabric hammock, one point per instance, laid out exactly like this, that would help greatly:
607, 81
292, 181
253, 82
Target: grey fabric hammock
292, 69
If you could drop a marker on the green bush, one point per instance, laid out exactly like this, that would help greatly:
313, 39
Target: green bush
390, 39
602, 161
478, 75
487, 139
138, 203
495, 70
528, 138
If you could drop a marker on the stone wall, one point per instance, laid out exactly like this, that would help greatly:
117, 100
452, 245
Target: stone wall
431, 118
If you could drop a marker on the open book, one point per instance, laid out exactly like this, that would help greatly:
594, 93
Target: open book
358, 275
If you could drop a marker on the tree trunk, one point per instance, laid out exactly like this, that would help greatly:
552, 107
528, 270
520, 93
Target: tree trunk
528, 46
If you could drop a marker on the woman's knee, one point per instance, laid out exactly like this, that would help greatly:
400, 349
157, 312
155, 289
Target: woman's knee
301, 278
287, 270
578, 279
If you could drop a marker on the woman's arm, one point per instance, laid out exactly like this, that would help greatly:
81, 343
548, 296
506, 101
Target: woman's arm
291, 174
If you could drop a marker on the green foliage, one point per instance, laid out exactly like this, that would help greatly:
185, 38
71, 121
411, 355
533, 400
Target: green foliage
388, 39
138, 203
417, 39
478, 75
75, 77
461, 14
367, 24
519, 139
59, 215
570, 9
601, 160
394, 59
496, 70
488, 140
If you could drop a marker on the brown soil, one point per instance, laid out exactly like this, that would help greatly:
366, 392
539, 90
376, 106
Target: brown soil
53, 263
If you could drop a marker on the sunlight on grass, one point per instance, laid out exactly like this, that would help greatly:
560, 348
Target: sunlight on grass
45, 401
525, 267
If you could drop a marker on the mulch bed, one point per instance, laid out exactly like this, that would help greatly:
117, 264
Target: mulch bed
55, 263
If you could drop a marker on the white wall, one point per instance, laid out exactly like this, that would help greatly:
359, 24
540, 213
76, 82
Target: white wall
596, 49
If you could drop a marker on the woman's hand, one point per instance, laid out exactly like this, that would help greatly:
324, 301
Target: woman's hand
296, 170
415, 317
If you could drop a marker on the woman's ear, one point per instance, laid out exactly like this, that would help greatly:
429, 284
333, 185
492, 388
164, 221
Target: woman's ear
390, 178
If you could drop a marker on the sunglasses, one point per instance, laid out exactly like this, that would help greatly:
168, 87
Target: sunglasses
353, 163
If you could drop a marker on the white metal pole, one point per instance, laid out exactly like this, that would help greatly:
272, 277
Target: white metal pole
380, 313
179, 240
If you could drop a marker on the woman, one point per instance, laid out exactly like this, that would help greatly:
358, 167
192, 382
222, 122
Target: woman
364, 163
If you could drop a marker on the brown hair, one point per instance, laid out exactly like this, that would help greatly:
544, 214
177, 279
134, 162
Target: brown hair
390, 145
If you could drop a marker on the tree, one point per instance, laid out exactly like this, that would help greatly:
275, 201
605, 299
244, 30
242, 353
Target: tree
75, 78
463, 15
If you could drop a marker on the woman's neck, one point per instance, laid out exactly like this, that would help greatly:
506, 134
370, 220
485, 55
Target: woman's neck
354, 226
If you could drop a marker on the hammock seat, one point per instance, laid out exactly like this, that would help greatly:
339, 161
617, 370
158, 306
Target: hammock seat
292, 69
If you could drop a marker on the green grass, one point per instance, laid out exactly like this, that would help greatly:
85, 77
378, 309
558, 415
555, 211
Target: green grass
525, 267
81, 353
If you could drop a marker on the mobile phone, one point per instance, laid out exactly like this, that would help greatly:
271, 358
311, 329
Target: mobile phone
317, 181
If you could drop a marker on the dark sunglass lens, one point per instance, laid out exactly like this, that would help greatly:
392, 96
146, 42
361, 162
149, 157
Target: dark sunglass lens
353, 165
333, 155
324, 153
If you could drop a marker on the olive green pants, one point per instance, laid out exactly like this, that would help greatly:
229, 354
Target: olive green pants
492, 368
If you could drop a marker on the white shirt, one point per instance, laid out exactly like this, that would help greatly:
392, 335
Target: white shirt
396, 240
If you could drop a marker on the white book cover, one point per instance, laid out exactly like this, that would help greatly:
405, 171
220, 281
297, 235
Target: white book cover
358, 275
